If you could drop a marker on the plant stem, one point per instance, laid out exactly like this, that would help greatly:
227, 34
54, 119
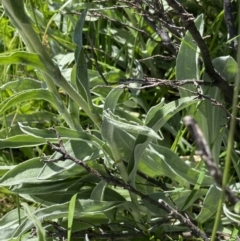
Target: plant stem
230, 143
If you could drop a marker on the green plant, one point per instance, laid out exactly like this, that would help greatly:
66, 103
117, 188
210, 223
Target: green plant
116, 173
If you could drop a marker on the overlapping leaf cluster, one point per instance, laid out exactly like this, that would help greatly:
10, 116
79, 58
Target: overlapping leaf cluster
126, 133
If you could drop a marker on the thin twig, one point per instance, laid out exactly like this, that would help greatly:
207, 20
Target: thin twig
164, 57
150, 80
154, 82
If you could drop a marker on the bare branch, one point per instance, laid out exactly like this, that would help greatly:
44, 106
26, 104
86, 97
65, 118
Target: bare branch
188, 22
228, 15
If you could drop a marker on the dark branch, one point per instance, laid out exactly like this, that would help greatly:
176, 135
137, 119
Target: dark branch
228, 15
188, 22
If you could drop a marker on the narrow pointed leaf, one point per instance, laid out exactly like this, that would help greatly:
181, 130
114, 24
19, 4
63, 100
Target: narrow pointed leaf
26, 95
24, 58
81, 65
71, 215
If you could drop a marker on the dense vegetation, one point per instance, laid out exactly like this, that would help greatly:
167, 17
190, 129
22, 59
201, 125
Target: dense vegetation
94, 140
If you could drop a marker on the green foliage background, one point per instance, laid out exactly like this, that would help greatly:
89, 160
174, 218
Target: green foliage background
67, 64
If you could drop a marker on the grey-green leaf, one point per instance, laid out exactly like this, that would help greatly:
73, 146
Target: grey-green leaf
209, 207
156, 118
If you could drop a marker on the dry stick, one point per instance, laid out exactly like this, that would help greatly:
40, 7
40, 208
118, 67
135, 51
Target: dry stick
163, 82
164, 57
188, 21
205, 152
228, 15
117, 182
